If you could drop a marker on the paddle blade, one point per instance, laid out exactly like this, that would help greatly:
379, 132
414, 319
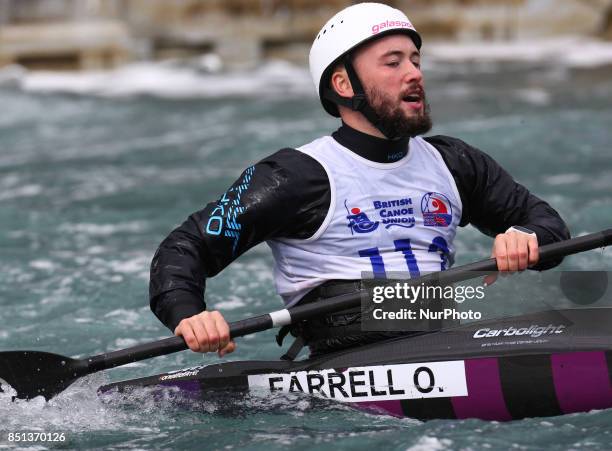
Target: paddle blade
33, 373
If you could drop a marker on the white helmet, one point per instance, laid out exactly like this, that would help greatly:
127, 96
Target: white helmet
348, 29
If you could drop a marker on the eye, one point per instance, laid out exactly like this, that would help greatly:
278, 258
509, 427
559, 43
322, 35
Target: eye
416, 64
393, 64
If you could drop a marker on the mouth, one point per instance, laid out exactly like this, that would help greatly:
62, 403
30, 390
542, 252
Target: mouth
413, 99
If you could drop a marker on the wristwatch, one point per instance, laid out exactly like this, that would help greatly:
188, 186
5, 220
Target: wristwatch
521, 229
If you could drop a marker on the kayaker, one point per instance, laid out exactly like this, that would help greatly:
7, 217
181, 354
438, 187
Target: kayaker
374, 196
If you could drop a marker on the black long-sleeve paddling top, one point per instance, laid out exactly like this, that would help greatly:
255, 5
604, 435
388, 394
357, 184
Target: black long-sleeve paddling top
287, 195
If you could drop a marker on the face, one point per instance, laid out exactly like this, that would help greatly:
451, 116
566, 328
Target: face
389, 69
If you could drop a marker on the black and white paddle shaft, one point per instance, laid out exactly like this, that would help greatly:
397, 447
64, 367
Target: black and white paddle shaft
35, 373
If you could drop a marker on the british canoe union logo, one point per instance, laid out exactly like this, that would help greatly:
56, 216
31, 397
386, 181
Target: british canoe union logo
396, 212
359, 221
437, 211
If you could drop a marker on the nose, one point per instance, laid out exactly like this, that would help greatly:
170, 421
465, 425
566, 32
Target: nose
413, 73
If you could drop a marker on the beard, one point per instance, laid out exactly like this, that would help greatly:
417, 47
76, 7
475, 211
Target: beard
394, 121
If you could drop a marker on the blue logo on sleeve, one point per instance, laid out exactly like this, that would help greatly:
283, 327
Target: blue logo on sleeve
224, 218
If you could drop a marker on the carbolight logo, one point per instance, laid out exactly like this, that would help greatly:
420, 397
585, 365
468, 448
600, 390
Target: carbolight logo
533, 331
179, 375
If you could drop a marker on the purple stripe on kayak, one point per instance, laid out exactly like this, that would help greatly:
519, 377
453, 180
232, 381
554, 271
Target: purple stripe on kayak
485, 399
393, 407
582, 381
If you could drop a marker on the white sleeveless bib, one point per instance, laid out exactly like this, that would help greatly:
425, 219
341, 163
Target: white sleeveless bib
383, 217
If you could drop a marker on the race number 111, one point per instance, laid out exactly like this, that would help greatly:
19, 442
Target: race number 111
438, 245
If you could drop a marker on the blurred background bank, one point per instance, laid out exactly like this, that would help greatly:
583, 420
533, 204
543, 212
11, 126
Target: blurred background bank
103, 34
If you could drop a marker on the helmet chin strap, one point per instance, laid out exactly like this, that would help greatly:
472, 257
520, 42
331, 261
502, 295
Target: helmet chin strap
359, 101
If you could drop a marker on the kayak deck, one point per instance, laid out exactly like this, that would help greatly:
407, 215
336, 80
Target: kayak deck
541, 364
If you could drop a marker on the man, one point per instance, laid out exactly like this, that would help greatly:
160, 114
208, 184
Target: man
374, 196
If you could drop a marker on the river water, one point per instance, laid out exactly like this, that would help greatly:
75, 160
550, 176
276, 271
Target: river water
96, 170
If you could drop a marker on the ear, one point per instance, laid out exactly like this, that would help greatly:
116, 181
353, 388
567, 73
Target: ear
340, 83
